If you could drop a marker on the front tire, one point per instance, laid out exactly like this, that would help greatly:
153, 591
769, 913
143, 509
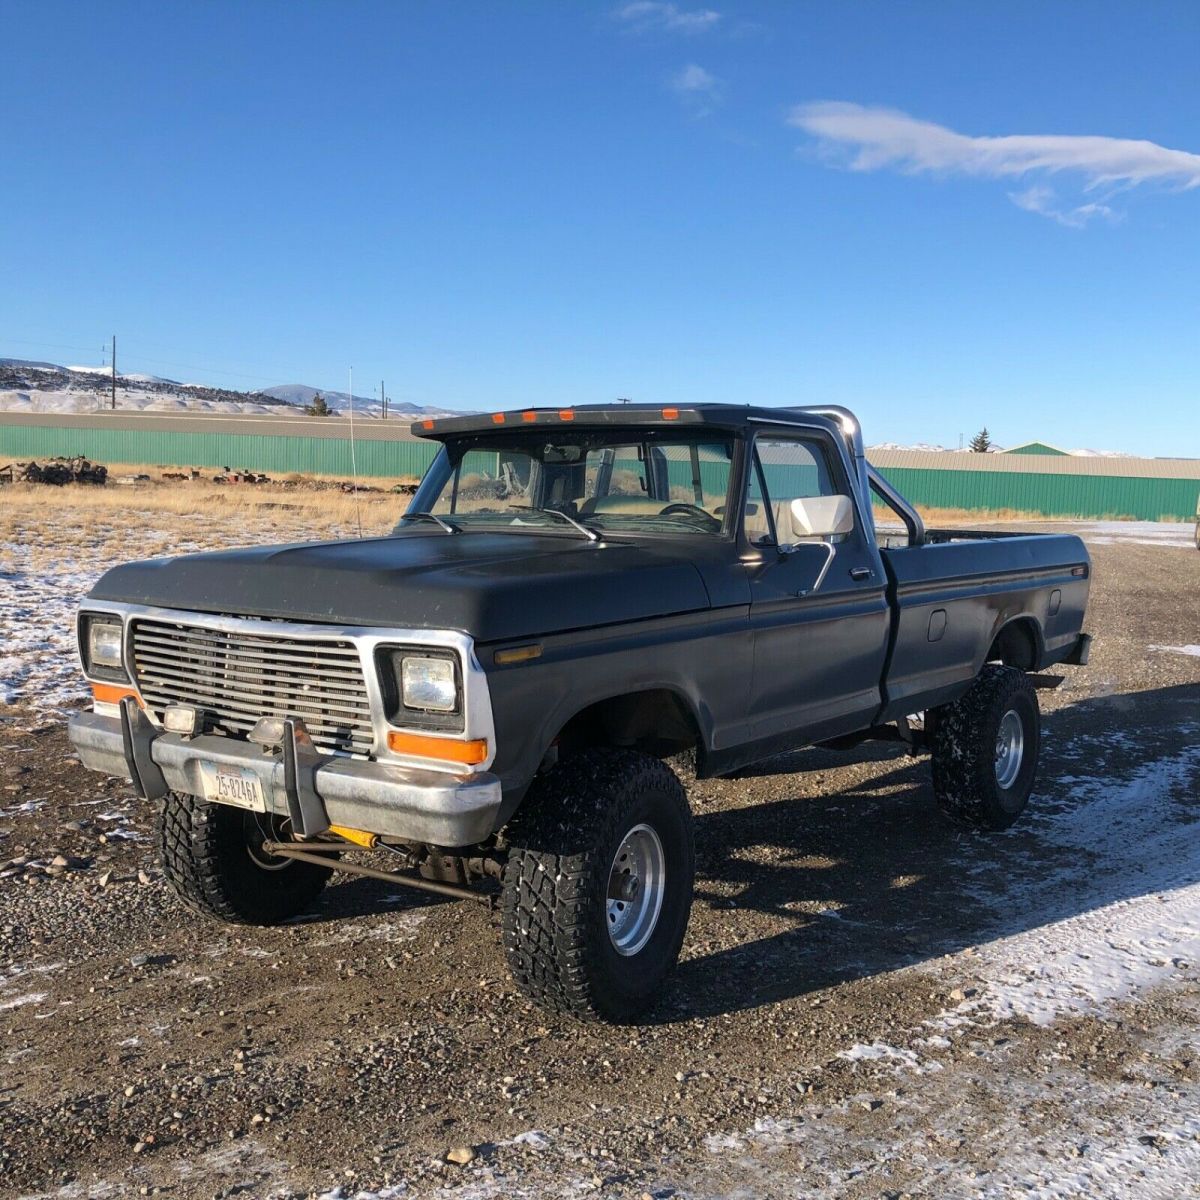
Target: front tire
212, 856
985, 750
598, 885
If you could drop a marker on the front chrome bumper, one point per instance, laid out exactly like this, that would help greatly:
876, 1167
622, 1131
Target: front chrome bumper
397, 801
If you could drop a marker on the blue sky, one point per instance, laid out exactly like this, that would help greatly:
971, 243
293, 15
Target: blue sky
543, 203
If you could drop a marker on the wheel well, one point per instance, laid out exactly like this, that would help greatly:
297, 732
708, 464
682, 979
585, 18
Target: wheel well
1018, 644
657, 722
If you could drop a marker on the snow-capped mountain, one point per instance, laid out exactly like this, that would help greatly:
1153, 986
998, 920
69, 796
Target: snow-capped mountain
29, 386
301, 395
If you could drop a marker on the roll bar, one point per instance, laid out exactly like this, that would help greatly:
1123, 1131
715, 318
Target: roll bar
908, 514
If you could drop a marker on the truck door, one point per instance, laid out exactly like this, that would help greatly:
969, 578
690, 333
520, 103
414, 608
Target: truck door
818, 606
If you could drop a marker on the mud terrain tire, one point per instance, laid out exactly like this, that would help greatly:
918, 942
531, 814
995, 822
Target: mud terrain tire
598, 885
208, 856
985, 750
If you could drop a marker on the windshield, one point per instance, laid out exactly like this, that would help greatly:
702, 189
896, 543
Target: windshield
625, 481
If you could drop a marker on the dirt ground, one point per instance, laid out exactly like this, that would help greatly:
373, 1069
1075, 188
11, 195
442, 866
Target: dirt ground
871, 1003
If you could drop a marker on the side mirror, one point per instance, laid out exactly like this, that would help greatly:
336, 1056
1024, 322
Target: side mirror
822, 516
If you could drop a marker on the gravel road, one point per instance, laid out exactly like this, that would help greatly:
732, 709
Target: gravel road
871, 1002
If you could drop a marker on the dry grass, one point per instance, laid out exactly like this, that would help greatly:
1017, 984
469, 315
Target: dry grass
171, 517
293, 509
943, 517
46, 527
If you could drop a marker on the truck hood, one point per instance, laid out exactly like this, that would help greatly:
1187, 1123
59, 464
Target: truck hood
493, 586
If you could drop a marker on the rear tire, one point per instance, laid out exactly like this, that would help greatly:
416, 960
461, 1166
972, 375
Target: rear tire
598, 885
985, 750
211, 855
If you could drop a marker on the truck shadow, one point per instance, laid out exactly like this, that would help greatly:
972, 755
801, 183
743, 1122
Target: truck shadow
858, 875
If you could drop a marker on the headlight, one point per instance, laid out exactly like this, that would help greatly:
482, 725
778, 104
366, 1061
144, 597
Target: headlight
428, 684
101, 637
104, 644
422, 687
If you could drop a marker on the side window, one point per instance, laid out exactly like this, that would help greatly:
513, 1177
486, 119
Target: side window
783, 470
890, 530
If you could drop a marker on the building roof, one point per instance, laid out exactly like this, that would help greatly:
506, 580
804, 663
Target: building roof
286, 423
1034, 448
1036, 464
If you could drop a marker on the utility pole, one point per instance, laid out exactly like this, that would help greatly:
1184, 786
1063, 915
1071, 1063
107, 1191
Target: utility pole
382, 399
114, 372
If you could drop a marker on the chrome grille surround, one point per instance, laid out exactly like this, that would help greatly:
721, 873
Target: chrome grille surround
239, 676
300, 637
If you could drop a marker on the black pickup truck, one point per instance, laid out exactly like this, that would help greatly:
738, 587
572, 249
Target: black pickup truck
492, 696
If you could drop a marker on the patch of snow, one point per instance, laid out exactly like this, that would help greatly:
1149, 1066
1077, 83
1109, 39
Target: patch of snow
894, 1055
1133, 874
535, 1139
1142, 533
21, 1001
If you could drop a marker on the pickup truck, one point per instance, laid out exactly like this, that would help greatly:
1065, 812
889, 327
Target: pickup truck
494, 697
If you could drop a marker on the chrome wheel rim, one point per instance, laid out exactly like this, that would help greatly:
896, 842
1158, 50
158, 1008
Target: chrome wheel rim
636, 885
1010, 749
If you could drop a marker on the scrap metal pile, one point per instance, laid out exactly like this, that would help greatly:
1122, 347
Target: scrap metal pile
57, 471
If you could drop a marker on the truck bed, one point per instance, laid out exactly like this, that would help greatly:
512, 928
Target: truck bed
957, 595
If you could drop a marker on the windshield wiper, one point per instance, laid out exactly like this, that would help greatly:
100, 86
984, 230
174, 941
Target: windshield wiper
428, 516
586, 530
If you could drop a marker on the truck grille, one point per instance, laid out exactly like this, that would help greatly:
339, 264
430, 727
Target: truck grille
239, 677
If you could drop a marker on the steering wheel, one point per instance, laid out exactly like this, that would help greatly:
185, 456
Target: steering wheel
690, 510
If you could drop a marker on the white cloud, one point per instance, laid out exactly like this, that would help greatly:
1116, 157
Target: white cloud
698, 89
648, 15
1044, 202
871, 139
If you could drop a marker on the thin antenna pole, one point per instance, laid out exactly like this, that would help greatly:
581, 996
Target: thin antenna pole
382, 399
114, 372
353, 458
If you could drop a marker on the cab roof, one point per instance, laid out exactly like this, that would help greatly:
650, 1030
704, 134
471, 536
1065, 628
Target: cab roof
725, 416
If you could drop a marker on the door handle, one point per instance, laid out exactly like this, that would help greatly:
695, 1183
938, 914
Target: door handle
860, 573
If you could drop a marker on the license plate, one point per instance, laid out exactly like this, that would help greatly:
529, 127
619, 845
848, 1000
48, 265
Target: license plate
232, 785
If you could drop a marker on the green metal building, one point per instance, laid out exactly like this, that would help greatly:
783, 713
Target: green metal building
1033, 481
1051, 485
277, 445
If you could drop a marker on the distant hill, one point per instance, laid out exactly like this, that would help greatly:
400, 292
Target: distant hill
930, 448
301, 394
28, 386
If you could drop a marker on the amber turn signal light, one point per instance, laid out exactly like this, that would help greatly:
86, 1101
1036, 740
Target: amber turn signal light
108, 693
421, 745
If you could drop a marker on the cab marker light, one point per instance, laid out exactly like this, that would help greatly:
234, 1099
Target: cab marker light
670, 414
426, 424
420, 745
566, 414
497, 418
517, 654
529, 416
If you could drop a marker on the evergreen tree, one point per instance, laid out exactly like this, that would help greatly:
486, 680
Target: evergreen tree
981, 443
318, 407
